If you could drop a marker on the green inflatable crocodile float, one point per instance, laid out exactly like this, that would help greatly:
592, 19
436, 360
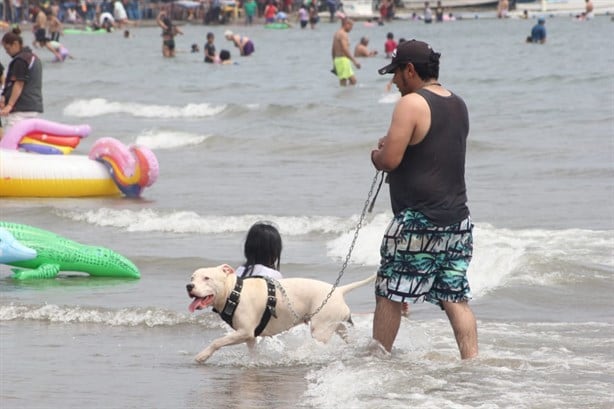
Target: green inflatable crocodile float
42, 254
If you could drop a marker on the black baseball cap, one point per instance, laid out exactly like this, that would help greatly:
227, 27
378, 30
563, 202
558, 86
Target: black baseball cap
412, 51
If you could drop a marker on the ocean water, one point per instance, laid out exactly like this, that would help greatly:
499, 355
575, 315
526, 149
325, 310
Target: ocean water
274, 137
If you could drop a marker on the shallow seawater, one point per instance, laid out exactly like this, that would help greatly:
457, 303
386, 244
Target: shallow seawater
274, 137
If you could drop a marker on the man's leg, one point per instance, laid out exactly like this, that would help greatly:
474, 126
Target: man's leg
465, 327
386, 321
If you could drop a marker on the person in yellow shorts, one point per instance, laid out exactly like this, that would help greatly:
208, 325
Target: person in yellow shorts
342, 56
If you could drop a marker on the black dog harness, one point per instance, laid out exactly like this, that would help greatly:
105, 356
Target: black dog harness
233, 301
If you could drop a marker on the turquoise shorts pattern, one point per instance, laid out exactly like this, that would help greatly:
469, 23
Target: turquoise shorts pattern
424, 262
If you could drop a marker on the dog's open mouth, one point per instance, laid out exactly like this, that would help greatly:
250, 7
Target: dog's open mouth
200, 303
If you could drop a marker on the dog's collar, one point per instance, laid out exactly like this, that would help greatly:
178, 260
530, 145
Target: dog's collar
233, 301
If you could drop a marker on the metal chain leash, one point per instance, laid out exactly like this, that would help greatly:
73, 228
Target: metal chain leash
366, 209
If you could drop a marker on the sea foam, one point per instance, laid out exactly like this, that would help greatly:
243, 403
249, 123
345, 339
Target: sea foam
169, 139
500, 255
99, 106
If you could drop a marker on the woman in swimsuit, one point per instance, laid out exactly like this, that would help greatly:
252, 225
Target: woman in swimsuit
169, 31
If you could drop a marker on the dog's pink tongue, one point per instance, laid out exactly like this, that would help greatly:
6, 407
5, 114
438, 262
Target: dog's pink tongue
197, 303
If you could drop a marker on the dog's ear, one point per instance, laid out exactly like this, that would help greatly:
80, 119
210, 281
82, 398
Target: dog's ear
227, 269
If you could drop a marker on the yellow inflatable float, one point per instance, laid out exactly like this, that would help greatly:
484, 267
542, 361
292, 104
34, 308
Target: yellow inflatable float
44, 166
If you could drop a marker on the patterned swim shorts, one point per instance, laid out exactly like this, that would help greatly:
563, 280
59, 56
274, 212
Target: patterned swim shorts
424, 262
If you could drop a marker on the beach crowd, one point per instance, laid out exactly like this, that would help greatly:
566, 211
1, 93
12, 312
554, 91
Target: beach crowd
49, 20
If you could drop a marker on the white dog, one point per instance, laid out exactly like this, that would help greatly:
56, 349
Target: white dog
259, 307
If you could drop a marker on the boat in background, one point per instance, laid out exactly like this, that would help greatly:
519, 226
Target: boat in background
534, 7
418, 5
359, 9
564, 7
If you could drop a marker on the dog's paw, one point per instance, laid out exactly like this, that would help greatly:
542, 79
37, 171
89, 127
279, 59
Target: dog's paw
202, 357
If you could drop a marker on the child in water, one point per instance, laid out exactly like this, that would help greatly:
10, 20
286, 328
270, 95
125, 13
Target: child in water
209, 47
262, 252
224, 58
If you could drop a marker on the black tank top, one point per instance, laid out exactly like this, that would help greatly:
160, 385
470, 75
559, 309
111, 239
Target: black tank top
431, 176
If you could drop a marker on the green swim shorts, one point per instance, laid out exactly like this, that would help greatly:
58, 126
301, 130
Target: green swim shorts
343, 66
421, 261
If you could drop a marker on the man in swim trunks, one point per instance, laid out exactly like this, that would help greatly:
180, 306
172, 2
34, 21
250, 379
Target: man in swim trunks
362, 49
39, 27
427, 247
342, 56
243, 43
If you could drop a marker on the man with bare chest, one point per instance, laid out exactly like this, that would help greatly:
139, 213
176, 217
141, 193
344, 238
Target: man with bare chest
342, 56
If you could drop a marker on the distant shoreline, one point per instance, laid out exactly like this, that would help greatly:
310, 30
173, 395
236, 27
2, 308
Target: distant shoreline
551, 9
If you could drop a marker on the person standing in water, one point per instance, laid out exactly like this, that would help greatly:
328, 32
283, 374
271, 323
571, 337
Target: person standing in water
169, 31
22, 96
428, 245
210, 55
243, 43
538, 32
342, 56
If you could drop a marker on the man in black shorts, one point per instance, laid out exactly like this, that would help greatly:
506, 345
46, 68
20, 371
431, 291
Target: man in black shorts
40, 27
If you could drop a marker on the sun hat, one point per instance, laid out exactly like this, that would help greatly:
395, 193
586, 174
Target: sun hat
412, 51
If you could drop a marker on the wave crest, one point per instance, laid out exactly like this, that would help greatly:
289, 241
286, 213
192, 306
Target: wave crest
130, 316
88, 108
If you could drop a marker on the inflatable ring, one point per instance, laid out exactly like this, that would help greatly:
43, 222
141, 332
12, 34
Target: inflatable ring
111, 169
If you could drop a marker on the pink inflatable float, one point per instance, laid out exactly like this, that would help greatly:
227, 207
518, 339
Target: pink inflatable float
46, 169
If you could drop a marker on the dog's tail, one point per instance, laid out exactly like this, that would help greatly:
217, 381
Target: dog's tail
352, 286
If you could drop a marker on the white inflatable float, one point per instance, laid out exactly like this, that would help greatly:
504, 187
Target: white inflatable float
44, 166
